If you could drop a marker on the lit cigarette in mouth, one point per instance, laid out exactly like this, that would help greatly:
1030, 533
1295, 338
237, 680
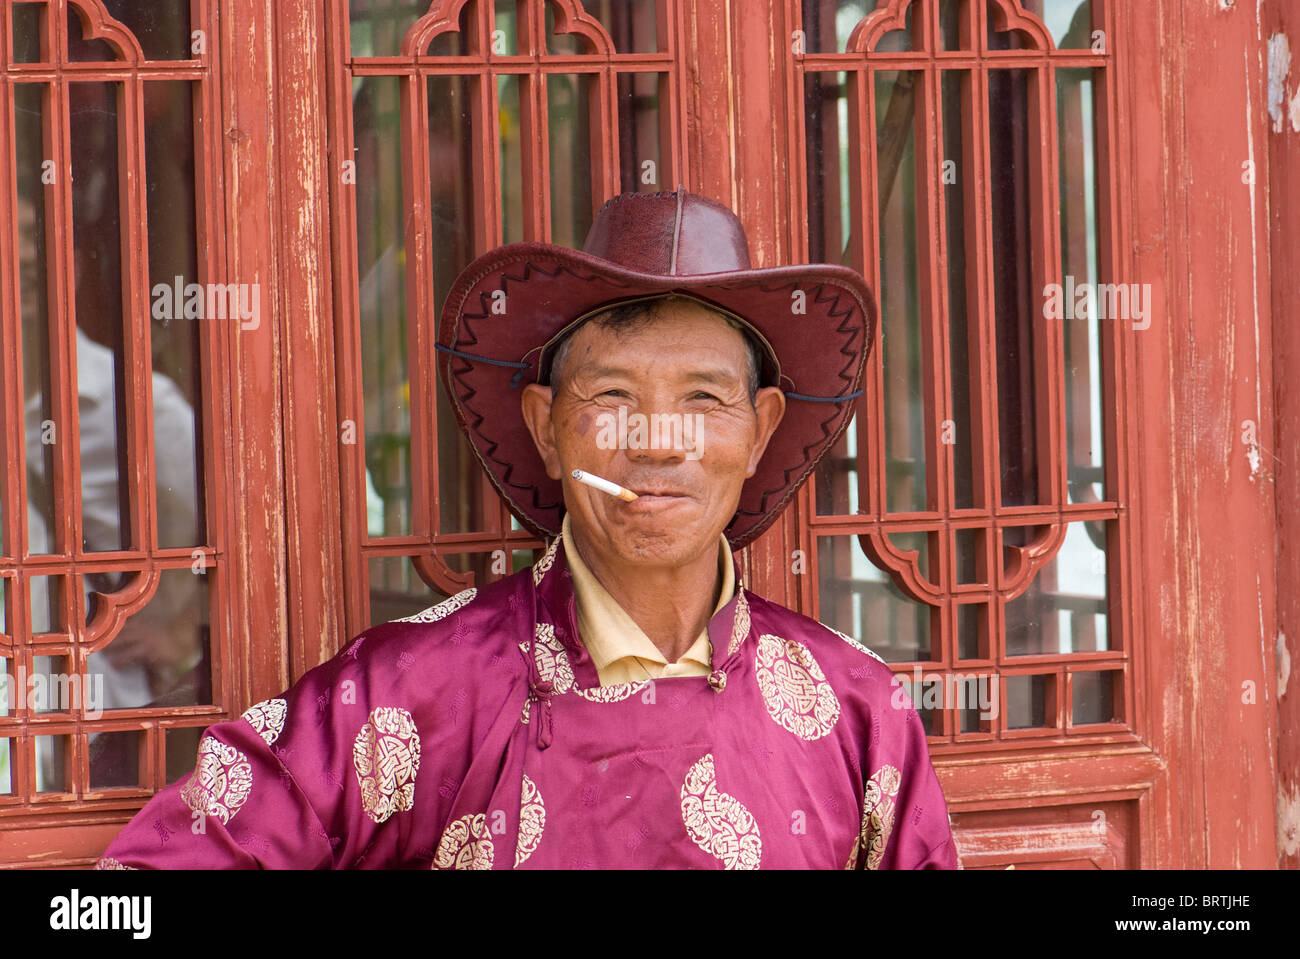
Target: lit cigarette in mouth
604, 485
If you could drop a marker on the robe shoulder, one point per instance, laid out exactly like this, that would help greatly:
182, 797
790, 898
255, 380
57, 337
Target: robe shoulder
380, 734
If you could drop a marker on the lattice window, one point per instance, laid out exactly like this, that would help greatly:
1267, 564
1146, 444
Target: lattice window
470, 124
971, 524
109, 559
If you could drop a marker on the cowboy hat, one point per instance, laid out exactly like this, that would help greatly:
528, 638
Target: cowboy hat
509, 308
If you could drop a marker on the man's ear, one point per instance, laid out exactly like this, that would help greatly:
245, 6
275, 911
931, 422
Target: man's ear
536, 406
769, 404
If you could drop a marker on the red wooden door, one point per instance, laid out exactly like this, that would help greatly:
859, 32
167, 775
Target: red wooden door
1025, 520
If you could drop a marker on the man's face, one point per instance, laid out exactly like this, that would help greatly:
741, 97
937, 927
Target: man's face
682, 375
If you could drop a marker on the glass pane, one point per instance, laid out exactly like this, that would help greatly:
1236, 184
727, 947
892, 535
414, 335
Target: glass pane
1013, 304
563, 43
972, 546
80, 47
1030, 701
571, 100
957, 435
827, 24
173, 263
955, 28
973, 631
28, 26
1000, 39
41, 430
826, 133
162, 655
901, 40
1070, 21
512, 177
905, 484
381, 271
1094, 696
1064, 609
48, 595
631, 24
640, 151
1079, 270
99, 349
857, 598
505, 28
6, 780
162, 27
378, 26
55, 687
396, 590
455, 183
53, 762
182, 745
115, 759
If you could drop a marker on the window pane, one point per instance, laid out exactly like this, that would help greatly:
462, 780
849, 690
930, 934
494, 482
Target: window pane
957, 110
1031, 701
1013, 301
828, 23
631, 24
1070, 21
1079, 268
857, 598
162, 655
900, 336
1095, 698
115, 759
378, 26
396, 590
570, 101
1064, 609
640, 151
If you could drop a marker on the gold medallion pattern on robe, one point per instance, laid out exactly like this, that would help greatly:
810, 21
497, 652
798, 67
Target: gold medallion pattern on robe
739, 625
442, 610
543, 565
221, 781
798, 697
532, 820
613, 693
108, 862
466, 844
267, 719
386, 756
877, 816
552, 658
717, 822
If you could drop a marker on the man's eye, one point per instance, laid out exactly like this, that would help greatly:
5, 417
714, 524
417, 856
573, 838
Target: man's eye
702, 395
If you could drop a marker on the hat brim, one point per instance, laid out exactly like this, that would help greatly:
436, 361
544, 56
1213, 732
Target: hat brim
510, 302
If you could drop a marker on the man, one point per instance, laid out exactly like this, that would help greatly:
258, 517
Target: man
626, 702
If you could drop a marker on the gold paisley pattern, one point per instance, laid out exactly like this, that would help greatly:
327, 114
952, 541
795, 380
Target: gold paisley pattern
877, 816
221, 782
855, 644
532, 820
615, 693
717, 822
267, 719
466, 844
108, 862
798, 697
739, 625
386, 757
442, 610
543, 565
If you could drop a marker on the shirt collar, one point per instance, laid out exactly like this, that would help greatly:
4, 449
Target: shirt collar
605, 628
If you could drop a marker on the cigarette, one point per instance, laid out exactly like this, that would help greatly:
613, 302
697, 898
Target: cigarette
604, 485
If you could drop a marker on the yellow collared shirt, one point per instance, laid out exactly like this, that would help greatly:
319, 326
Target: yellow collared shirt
620, 650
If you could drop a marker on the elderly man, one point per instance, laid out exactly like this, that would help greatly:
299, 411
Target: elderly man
626, 702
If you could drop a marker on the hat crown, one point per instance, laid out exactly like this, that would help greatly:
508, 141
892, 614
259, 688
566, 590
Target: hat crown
669, 234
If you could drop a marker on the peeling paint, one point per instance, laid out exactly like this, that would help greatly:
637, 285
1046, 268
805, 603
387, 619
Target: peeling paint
1288, 821
1283, 664
1279, 67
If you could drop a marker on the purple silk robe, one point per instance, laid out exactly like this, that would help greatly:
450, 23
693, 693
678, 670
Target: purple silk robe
477, 735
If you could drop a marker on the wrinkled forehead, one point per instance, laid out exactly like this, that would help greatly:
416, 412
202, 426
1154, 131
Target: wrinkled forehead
705, 326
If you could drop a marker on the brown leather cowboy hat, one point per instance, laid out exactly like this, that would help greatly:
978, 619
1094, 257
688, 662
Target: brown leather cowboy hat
510, 307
